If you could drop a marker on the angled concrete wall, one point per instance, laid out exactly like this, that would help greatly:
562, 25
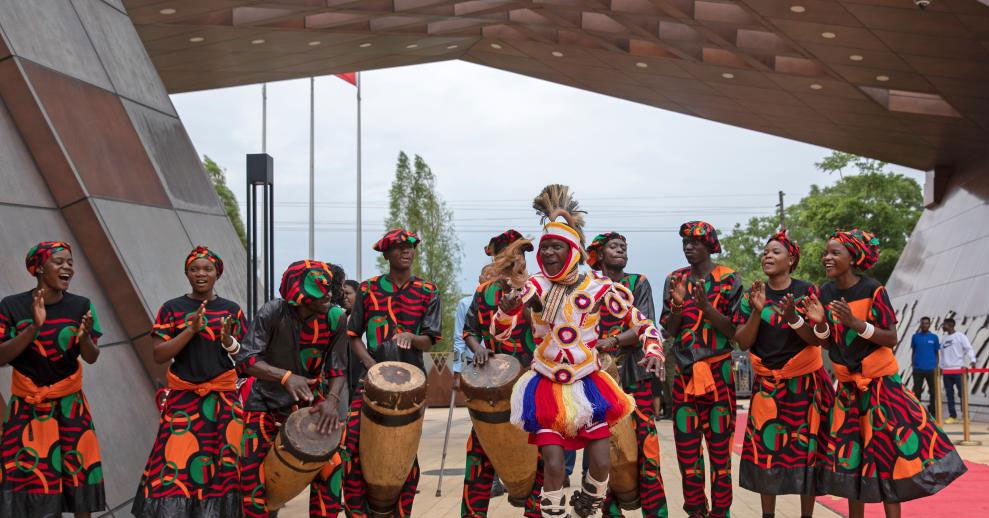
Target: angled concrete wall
93, 153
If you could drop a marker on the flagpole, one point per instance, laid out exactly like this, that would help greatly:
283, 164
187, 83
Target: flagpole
312, 167
358, 230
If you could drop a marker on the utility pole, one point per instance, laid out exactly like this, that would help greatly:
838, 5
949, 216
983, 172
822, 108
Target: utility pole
782, 212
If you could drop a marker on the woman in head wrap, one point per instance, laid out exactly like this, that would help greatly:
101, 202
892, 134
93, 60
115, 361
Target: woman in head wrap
566, 401
296, 348
196, 333
882, 446
49, 456
792, 390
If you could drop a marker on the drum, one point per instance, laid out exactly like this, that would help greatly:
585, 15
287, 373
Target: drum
489, 393
624, 476
391, 425
296, 456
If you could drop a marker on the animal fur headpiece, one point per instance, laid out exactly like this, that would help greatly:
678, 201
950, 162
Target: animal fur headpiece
556, 201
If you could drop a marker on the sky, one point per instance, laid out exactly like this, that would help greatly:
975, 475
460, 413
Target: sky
494, 139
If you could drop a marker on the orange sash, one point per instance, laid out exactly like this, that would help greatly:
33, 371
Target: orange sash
22, 387
806, 361
877, 364
225, 382
702, 380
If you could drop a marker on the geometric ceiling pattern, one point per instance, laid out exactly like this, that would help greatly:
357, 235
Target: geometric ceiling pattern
879, 78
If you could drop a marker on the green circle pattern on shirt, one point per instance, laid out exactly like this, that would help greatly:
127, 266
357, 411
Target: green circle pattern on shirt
65, 337
907, 441
210, 406
686, 420
201, 469
775, 436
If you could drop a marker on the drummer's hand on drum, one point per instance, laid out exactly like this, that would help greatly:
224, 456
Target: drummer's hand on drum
329, 419
481, 356
510, 301
404, 340
653, 364
298, 387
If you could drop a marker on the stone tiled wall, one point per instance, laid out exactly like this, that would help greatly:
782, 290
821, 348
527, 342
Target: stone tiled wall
944, 270
92, 152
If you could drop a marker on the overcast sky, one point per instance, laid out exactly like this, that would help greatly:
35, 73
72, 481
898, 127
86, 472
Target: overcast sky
493, 140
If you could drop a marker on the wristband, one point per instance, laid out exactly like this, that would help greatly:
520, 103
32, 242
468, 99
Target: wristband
798, 324
285, 376
233, 349
825, 335
868, 332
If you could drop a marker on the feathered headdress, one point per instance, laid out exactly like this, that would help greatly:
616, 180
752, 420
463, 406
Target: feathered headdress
555, 201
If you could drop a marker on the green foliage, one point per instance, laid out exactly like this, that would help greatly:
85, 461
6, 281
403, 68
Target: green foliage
884, 203
219, 179
415, 205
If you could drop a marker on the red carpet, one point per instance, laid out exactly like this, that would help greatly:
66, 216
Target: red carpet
966, 497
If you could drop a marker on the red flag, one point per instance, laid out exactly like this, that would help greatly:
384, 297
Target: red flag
350, 77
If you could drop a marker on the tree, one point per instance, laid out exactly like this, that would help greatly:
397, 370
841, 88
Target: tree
885, 203
219, 179
415, 205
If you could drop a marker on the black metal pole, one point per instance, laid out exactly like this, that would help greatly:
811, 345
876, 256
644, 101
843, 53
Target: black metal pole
271, 241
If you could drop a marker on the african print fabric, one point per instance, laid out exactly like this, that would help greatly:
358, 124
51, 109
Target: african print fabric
519, 343
710, 418
203, 358
354, 486
394, 237
202, 252
775, 342
479, 477
862, 245
783, 434
703, 231
697, 339
870, 303
652, 492
49, 456
304, 281
628, 358
382, 310
40, 253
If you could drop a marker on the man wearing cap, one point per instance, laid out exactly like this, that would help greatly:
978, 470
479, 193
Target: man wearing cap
399, 314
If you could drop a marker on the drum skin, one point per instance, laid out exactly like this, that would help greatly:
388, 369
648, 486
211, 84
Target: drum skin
296, 456
624, 476
391, 426
489, 390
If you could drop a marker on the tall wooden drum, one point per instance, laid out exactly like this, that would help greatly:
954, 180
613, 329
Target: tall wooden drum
391, 425
624, 476
296, 456
489, 393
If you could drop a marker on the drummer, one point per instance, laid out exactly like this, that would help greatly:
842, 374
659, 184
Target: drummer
507, 268
608, 253
296, 349
400, 315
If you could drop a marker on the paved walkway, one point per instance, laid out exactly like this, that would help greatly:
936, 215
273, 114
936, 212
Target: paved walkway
965, 501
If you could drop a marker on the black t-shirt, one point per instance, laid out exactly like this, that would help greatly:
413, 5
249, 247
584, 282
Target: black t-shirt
869, 303
203, 358
54, 354
775, 342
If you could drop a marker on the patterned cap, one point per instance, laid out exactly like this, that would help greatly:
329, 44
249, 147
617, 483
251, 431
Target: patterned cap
792, 248
305, 280
201, 252
705, 232
863, 246
394, 237
38, 255
499, 242
597, 245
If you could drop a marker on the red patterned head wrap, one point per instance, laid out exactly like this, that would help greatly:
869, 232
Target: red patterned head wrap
501, 241
304, 281
783, 238
201, 252
594, 250
396, 236
705, 232
40, 253
863, 246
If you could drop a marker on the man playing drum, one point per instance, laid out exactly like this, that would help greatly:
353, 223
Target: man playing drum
566, 401
296, 349
400, 315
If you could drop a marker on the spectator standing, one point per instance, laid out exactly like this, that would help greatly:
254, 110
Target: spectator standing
956, 353
925, 346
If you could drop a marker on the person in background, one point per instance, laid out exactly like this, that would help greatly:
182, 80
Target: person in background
956, 353
925, 346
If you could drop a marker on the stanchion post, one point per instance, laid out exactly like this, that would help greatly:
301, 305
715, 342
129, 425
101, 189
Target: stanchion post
966, 440
936, 395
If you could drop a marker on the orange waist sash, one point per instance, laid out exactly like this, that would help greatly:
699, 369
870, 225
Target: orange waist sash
806, 361
702, 380
22, 387
877, 364
225, 382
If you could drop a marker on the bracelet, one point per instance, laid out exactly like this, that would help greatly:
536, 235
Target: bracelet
823, 335
233, 349
285, 376
798, 324
868, 332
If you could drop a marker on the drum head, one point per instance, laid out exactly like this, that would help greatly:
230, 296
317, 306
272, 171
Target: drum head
609, 365
301, 437
395, 385
494, 380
